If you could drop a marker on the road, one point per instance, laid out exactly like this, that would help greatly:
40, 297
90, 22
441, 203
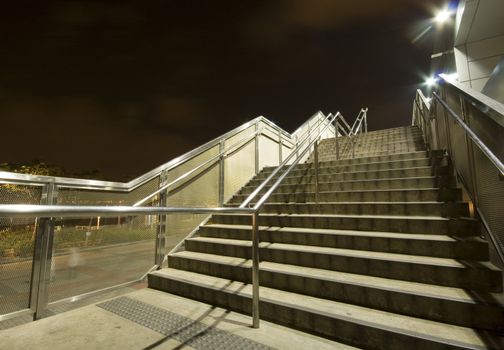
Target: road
79, 271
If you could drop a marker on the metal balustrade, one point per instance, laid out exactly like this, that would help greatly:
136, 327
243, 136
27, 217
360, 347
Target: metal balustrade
197, 184
470, 128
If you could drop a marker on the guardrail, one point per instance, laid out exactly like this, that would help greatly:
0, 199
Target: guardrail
50, 214
470, 127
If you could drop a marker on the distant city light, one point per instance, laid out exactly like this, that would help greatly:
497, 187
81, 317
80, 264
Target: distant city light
431, 81
442, 16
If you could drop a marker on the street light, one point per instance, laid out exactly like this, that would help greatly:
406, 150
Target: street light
443, 15
431, 81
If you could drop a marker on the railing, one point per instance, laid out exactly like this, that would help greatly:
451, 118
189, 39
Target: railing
353, 134
470, 127
120, 202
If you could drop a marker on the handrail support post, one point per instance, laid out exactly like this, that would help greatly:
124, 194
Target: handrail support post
221, 172
42, 267
336, 140
316, 160
256, 148
162, 221
255, 270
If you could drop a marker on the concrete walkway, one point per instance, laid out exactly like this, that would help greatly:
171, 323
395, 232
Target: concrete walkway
94, 327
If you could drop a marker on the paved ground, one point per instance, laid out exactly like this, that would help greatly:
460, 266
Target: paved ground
93, 327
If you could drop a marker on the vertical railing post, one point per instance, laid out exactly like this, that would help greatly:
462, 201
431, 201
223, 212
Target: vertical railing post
256, 148
336, 142
365, 120
159, 253
297, 145
43, 264
255, 270
315, 156
221, 172
280, 146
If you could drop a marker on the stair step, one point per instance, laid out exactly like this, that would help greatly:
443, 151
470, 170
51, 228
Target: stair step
396, 164
372, 159
473, 248
398, 195
388, 223
439, 303
353, 324
368, 184
450, 209
475, 275
361, 175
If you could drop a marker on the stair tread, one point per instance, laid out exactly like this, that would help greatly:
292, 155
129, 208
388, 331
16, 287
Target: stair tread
359, 180
353, 253
343, 165
358, 314
378, 234
417, 288
367, 171
366, 203
364, 216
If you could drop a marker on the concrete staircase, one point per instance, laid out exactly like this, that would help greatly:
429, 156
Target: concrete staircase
388, 259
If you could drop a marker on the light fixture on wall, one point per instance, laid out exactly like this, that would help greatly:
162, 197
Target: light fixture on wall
431, 81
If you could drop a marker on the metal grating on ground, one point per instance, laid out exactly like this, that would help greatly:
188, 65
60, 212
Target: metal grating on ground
185, 330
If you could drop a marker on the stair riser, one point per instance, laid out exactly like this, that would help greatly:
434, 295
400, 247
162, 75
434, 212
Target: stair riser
452, 210
427, 182
370, 148
343, 330
365, 175
471, 250
414, 163
404, 225
373, 159
416, 305
473, 278
441, 195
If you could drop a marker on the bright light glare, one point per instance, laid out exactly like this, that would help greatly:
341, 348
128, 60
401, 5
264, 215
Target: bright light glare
431, 81
428, 99
442, 16
452, 76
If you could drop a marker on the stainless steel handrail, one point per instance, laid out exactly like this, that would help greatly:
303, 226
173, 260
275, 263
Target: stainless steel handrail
48, 212
419, 103
78, 211
477, 141
247, 201
38, 180
212, 160
265, 197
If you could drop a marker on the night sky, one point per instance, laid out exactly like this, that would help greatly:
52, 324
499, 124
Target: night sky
123, 86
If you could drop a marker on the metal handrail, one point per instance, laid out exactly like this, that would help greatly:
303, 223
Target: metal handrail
78, 211
47, 213
40, 180
470, 134
285, 162
265, 197
214, 159
211, 160
477, 141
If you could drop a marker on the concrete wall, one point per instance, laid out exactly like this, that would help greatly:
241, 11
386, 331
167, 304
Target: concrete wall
479, 40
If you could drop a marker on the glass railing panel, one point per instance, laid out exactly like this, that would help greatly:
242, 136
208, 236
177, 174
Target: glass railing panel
93, 253
17, 241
